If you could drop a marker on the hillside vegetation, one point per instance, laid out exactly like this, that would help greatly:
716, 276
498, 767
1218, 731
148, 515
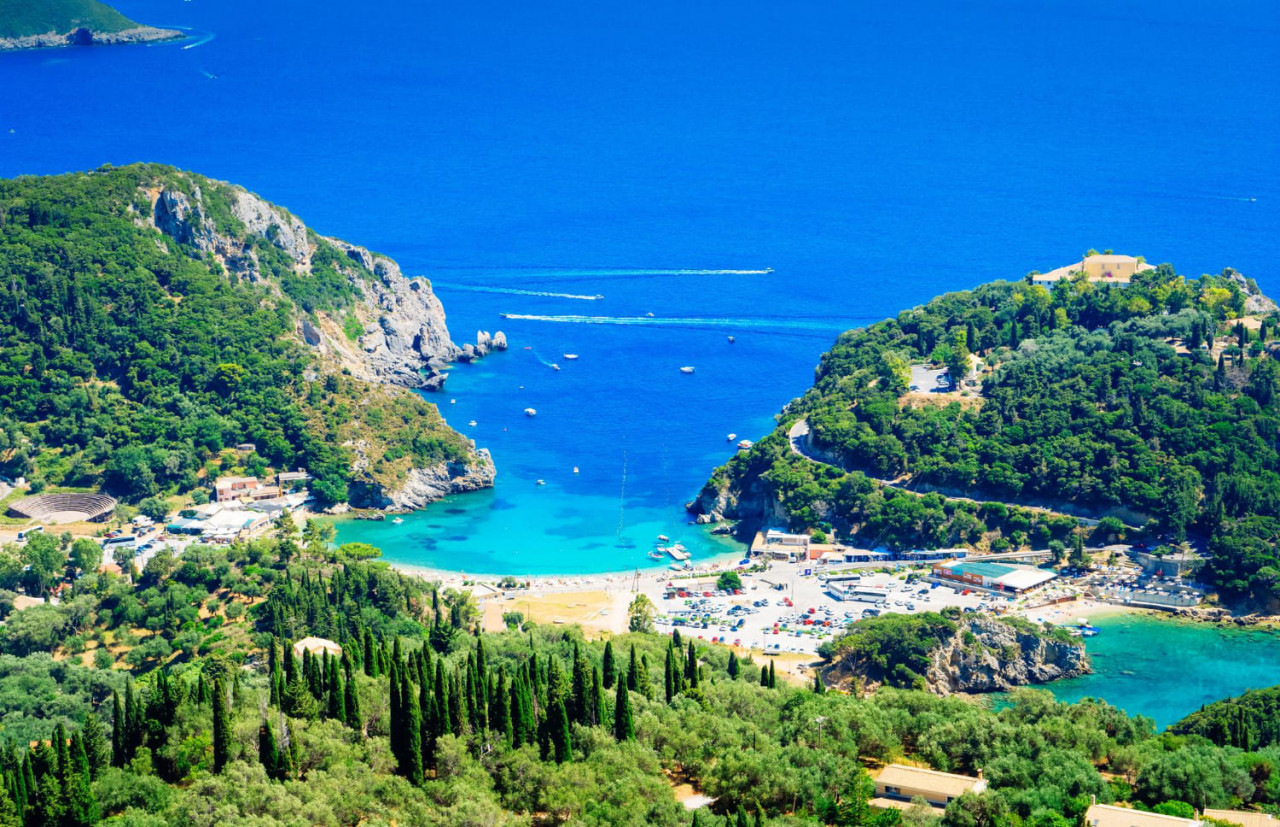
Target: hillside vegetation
130, 358
20, 18
178, 701
1095, 400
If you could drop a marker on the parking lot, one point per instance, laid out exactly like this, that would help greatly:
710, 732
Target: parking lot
783, 610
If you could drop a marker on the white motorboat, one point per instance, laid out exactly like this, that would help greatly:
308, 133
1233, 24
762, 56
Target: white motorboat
398, 520
530, 412
686, 369
569, 357
731, 438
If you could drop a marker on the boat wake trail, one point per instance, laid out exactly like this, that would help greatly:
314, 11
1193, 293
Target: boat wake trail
571, 274
515, 291
701, 322
205, 37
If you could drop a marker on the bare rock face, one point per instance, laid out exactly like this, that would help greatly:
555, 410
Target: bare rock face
995, 657
1255, 301
426, 485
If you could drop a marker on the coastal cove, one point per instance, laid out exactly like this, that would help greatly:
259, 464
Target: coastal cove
1163, 668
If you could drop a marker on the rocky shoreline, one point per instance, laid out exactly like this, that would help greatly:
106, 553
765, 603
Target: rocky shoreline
87, 37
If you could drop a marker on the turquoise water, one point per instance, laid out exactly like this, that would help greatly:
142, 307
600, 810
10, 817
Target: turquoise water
522, 155
1165, 668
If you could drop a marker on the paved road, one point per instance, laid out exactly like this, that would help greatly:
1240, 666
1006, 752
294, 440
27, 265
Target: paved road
799, 438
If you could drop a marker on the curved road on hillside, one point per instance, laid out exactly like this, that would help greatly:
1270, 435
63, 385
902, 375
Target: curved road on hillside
799, 435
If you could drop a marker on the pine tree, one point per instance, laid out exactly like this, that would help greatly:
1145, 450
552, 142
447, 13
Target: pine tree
733, 665
608, 665
559, 727
221, 727
624, 728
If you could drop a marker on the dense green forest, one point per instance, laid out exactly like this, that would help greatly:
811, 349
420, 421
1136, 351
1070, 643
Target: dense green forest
1251, 720
1094, 399
19, 18
130, 360
423, 721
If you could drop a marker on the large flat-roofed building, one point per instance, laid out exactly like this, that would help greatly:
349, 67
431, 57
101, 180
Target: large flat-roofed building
995, 576
1105, 269
1105, 815
901, 783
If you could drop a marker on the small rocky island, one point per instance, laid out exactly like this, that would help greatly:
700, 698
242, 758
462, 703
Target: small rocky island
944, 655
41, 24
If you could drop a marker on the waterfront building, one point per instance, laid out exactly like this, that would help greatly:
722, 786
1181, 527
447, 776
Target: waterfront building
994, 576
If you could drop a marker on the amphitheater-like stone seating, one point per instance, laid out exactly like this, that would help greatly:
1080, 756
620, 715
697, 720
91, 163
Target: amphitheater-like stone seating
64, 508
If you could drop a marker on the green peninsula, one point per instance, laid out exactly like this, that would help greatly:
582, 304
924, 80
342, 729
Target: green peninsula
995, 417
160, 328
26, 24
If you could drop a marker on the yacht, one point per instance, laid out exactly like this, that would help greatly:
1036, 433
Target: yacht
731, 438
745, 444
569, 357
732, 340
530, 412
472, 423
655, 555
686, 369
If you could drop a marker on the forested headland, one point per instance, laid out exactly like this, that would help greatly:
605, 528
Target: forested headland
1153, 406
133, 359
201, 695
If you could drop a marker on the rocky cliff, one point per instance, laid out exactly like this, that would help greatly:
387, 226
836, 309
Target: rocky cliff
982, 654
88, 37
392, 331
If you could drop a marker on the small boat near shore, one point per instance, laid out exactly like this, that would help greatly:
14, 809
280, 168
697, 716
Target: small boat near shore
397, 521
745, 445
655, 555
731, 437
662, 538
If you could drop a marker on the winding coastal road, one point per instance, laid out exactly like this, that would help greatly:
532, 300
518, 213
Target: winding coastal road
801, 445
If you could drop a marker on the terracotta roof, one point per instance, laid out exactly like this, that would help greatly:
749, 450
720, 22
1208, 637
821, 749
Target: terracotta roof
941, 783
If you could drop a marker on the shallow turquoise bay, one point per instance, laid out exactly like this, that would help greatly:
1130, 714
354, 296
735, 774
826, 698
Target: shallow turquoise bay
1165, 669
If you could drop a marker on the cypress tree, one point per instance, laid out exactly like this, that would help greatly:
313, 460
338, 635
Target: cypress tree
337, 698
221, 727
597, 698
633, 671
500, 710
675, 639
758, 821
764, 676
691, 667
742, 817
268, 754
370, 656
412, 769
581, 687
456, 702
352, 704
819, 688
668, 676
117, 731
733, 665
442, 698
517, 711
773, 676
97, 751
624, 728
559, 728
608, 665
396, 714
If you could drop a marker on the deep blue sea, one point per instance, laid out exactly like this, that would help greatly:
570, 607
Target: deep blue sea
872, 155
